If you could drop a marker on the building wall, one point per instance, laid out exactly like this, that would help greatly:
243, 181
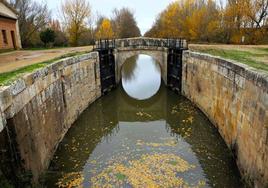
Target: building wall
8, 25
235, 98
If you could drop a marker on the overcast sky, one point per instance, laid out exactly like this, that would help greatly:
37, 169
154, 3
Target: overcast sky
145, 10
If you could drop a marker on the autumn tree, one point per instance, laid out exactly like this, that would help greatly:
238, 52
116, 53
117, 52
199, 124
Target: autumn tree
124, 24
244, 20
192, 19
258, 12
33, 17
234, 20
105, 30
74, 15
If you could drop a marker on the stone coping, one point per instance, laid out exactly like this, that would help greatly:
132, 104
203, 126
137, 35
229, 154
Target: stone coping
144, 41
9, 93
135, 48
258, 77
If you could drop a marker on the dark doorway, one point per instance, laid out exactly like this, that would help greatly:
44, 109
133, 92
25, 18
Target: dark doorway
13, 39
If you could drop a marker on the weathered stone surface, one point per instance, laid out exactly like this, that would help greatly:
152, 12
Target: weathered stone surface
2, 121
43, 105
235, 99
17, 87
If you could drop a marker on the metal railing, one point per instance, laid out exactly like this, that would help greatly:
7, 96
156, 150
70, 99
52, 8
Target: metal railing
104, 44
180, 43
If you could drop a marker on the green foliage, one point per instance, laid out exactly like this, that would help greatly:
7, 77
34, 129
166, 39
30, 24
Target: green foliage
33, 16
4, 183
173, 162
120, 176
47, 36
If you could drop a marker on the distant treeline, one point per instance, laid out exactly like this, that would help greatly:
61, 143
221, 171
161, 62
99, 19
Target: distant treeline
75, 26
237, 21
201, 21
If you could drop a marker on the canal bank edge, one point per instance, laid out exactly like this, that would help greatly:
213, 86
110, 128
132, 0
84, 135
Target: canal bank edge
38, 109
235, 99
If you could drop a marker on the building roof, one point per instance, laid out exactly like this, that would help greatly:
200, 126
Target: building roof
9, 7
3, 15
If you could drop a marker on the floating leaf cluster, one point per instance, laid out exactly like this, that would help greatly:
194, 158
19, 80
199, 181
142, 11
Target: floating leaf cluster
151, 170
69, 180
169, 143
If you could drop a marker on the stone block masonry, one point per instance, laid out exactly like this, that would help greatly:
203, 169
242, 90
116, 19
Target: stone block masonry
235, 98
40, 107
37, 110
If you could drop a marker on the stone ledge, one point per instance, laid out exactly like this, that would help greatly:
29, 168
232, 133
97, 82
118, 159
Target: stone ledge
260, 78
136, 48
145, 41
23, 85
236, 102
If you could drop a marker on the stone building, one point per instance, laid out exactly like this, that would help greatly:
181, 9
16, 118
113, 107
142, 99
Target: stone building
9, 27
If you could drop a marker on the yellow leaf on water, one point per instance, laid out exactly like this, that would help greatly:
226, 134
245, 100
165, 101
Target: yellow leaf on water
191, 119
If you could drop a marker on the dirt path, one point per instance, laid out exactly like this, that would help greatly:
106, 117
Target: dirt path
13, 60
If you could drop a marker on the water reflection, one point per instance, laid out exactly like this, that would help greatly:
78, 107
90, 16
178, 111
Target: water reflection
141, 77
163, 141
117, 137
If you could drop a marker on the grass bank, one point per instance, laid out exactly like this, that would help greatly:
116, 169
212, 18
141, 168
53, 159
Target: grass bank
7, 78
254, 56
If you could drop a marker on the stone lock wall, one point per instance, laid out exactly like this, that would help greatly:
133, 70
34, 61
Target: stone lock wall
235, 98
38, 109
41, 107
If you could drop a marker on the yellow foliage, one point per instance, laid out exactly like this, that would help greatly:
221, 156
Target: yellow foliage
236, 38
105, 30
151, 170
74, 13
191, 19
206, 21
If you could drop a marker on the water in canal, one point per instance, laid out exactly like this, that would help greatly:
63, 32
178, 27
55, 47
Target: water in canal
142, 135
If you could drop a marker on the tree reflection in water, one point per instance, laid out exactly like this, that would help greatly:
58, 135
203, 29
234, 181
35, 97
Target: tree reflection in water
141, 77
129, 67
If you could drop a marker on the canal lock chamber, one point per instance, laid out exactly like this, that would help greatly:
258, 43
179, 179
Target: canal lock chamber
221, 89
128, 139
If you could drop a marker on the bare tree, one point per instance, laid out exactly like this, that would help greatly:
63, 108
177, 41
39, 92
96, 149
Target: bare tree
74, 16
33, 17
258, 11
124, 23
